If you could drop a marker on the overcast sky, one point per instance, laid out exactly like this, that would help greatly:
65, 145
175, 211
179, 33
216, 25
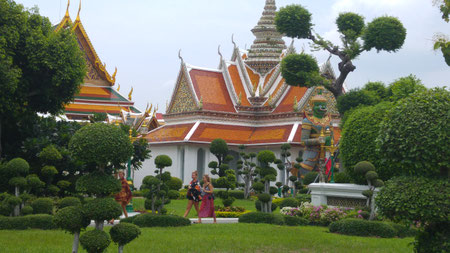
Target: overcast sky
142, 38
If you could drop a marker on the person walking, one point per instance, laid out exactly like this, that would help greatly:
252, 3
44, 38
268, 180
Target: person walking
124, 196
207, 208
193, 194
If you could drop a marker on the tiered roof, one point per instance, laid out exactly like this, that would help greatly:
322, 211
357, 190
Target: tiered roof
240, 101
97, 94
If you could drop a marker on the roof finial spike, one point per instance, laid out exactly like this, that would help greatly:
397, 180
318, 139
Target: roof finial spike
67, 10
218, 51
130, 94
292, 43
232, 40
78, 14
179, 56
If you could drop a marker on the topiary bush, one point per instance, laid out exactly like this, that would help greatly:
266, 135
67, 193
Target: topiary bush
361, 227
173, 194
414, 136
290, 202
342, 178
98, 183
101, 209
124, 233
37, 221
259, 217
95, 241
258, 206
302, 198
151, 220
73, 220
310, 177
295, 220
42, 206
69, 201
175, 183
26, 210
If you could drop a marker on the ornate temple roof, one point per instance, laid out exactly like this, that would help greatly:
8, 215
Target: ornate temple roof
245, 100
96, 95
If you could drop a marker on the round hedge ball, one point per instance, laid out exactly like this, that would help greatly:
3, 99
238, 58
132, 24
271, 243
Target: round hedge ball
264, 197
71, 218
95, 241
17, 167
101, 209
266, 156
69, 201
98, 183
26, 210
273, 190
124, 233
42, 206
363, 167
371, 175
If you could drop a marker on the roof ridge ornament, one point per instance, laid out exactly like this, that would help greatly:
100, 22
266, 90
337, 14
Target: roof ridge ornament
78, 14
218, 51
179, 56
232, 40
67, 10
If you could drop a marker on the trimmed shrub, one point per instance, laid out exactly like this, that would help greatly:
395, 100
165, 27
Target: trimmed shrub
230, 214
71, 218
302, 198
290, 202
264, 197
403, 230
309, 177
130, 219
175, 183
124, 233
434, 238
259, 217
42, 206
342, 178
173, 194
38, 221
26, 210
95, 241
98, 183
295, 221
101, 209
361, 227
151, 220
258, 205
237, 194
69, 201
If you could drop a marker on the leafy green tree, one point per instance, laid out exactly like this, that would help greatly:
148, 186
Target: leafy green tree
40, 70
355, 98
161, 162
404, 87
72, 220
219, 148
441, 40
16, 170
359, 133
383, 33
413, 138
367, 170
246, 167
123, 234
267, 174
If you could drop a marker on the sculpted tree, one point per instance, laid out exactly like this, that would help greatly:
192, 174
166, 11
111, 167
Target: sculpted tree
246, 168
383, 33
40, 70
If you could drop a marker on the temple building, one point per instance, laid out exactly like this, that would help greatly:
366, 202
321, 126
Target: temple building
97, 94
244, 101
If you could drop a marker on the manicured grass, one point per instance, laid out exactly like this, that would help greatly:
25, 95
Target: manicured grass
178, 207
213, 238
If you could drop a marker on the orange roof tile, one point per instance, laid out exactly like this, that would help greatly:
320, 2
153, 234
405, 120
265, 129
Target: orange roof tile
268, 76
287, 104
211, 88
242, 134
169, 133
254, 78
88, 108
238, 85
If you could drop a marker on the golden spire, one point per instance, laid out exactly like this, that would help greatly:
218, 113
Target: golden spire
67, 10
131, 93
78, 14
118, 87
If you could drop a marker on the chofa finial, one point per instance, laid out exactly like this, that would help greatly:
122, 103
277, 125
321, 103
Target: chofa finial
78, 14
179, 56
218, 51
67, 10
232, 40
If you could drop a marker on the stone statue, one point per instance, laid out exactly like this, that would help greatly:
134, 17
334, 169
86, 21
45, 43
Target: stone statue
316, 133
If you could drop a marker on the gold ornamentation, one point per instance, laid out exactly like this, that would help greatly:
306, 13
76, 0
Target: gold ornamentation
183, 100
322, 122
130, 94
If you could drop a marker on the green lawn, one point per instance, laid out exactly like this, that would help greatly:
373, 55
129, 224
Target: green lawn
213, 238
178, 207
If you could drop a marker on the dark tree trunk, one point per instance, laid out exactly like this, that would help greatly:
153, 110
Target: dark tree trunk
76, 240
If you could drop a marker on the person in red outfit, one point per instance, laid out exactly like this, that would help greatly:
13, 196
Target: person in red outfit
124, 196
207, 208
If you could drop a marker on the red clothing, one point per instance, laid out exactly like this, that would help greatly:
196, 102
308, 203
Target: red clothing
207, 207
124, 196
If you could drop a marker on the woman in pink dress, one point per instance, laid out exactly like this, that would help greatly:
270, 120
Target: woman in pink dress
207, 208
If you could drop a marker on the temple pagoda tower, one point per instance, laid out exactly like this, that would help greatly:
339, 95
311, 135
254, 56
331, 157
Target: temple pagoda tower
243, 101
97, 94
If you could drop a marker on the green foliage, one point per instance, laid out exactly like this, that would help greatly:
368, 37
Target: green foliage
361, 227
163, 161
50, 154
310, 177
151, 220
69, 201
258, 206
258, 186
38, 221
101, 144
49, 171
227, 202
300, 70
289, 202
434, 238
412, 199
141, 153
258, 217
295, 221
173, 194
98, 184
266, 157
384, 33
264, 197
404, 87
71, 219
342, 178
175, 183
355, 98
303, 198
294, 21
63, 184
414, 136
364, 167
101, 209
17, 167
98, 117
350, 24
26, 210
273, 190
18, 182
95, 241
237, 194
42, 206
124, 233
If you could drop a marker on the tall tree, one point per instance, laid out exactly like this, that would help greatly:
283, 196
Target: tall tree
383, 33
40, 70
441, 41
